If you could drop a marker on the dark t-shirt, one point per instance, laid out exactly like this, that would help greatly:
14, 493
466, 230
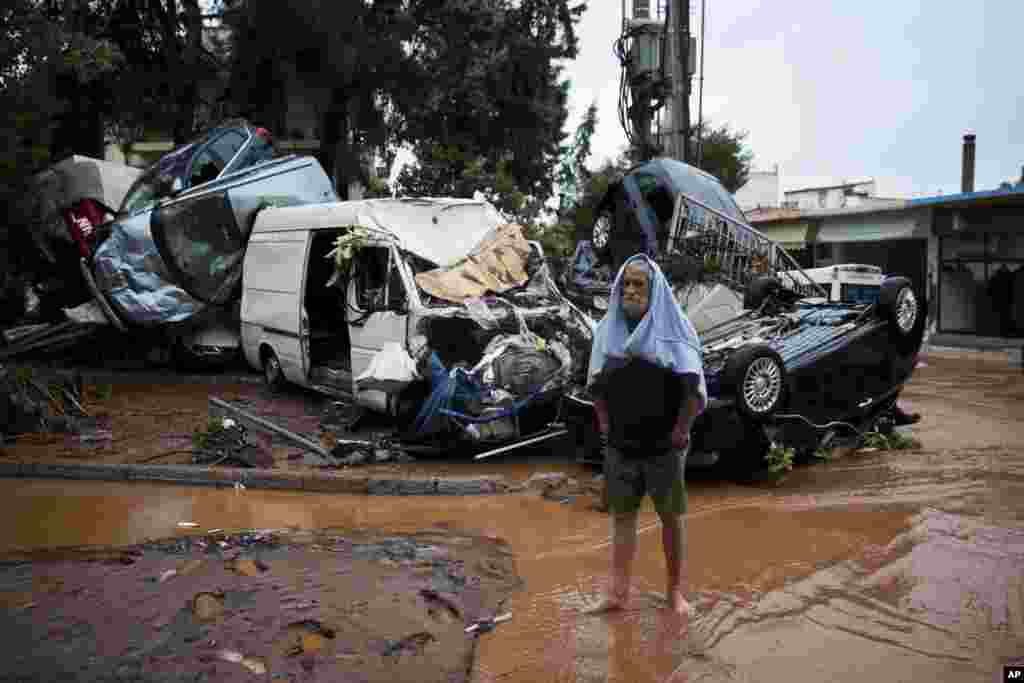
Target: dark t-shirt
643, 402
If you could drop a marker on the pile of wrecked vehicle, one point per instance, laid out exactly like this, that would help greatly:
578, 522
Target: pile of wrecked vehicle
157, 252
785, 362
441, 315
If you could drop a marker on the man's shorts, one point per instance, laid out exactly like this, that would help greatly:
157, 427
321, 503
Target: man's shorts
660, 476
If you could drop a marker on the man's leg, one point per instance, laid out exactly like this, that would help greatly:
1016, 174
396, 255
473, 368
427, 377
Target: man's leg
673, 538
665, 476
624, 484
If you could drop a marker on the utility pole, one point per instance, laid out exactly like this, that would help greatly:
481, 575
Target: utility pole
680, 15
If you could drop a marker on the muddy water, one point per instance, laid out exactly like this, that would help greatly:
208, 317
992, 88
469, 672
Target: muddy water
886, 566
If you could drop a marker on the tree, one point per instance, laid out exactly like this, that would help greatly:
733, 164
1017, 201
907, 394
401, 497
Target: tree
489, 106
725, 156
350, 52
573, 171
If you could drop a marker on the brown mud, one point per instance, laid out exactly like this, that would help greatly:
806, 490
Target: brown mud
900, 565
290, 606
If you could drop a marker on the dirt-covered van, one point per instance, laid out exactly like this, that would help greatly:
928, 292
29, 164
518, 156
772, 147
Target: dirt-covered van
436, 312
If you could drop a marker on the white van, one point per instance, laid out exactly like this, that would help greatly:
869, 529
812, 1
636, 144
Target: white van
298, 329
850, 283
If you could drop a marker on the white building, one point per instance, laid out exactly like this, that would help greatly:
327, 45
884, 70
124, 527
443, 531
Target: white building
841, 196
761, 191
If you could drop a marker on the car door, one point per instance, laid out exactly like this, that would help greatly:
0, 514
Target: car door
215, 156
377, 303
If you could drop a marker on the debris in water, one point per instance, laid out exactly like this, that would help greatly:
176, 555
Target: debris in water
413, 644
485, 625
307, 637
190, 567
230, 656
207, 606
167, 575
255, 665
187, 525
246, 566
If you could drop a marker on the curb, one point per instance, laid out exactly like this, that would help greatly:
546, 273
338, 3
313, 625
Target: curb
319, 482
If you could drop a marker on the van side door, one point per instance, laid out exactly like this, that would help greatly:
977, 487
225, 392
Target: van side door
378, 303
273, 313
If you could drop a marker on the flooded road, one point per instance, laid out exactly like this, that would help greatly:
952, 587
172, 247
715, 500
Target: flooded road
884, 566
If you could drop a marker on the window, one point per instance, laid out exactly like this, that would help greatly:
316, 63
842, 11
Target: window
371, 277
257, 152
215, 156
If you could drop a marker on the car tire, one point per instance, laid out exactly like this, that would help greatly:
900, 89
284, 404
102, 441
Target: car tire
759, 290
273, 373
899, 306
756, 377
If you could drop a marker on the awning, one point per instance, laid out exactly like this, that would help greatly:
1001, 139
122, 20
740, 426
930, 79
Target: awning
788, 236
873, 228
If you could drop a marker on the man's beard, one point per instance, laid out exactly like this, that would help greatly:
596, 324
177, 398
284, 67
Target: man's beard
634, 311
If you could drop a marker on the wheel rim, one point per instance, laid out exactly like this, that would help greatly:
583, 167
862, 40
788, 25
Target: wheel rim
602, 230
906, 309
273, 369
762, 385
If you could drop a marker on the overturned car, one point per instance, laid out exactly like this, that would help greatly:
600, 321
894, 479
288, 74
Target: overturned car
172, 256
435, 312
783, 363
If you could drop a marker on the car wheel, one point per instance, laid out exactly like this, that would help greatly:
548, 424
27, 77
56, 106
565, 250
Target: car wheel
760, 289
273, 374
899, 305
756, 376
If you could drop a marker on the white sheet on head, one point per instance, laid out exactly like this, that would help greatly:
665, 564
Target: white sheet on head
664, 336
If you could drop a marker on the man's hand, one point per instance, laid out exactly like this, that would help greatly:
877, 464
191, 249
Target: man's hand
680, 437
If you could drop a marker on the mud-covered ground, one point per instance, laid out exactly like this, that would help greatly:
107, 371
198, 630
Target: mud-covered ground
898, 565
290, 606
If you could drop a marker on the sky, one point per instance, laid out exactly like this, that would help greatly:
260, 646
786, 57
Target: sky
831, 91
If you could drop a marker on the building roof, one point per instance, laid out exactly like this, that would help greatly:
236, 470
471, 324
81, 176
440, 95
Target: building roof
1011, 193
762, 216
816, 188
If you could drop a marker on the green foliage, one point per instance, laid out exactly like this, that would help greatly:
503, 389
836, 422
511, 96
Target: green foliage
725, 155
779, 459
103, 391
824, 454
486, 109
203, 438
892, 442
23, 376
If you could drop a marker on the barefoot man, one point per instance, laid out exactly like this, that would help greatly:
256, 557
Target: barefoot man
648, 380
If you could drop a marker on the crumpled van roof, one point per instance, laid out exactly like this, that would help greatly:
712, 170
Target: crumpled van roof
440, 230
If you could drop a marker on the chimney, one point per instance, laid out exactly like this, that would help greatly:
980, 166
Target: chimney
967, 173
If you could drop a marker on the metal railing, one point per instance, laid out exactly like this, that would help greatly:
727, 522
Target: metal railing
728, 251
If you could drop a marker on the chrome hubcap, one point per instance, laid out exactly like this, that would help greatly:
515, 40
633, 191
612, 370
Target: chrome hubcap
602, 228
906, 309
762, 384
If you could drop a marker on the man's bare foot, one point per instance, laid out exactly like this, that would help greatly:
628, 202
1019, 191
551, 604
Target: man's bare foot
678, 604
610, 603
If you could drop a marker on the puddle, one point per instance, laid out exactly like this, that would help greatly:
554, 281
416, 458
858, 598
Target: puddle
889, 566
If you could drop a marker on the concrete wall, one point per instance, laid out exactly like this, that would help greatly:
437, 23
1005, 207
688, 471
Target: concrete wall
829, 197
761, 190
